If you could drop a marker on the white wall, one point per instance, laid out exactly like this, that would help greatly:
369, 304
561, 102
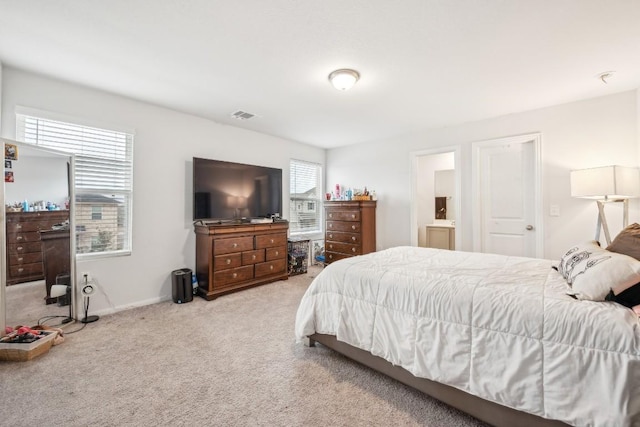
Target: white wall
165, 143
589, 133
38, 179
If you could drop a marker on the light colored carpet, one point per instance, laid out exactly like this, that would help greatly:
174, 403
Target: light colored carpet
26, 304
228, 362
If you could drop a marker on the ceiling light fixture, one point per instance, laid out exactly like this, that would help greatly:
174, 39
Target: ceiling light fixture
344, 79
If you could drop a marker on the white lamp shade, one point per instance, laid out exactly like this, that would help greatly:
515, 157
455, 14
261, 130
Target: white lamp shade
607, 182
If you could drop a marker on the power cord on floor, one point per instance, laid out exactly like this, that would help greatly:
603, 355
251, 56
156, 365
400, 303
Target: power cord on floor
44, 319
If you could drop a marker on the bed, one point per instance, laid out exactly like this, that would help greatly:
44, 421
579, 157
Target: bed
496, 336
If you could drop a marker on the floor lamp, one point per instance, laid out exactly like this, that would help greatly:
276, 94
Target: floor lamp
607, 184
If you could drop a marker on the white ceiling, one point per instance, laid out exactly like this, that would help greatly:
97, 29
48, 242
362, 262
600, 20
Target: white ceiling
423, 63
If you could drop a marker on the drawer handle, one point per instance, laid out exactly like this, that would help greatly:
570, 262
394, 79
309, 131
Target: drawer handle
353, 238
353, 249
19, 248
235, 245
228, 261
20, 259
353, 215
271, 267
19, 238
20, 270
277, 253
330, 256
19, 226
235, 275
253, 256
330, 225
353, 227
271, 240
330, 215
330, 246
331, 236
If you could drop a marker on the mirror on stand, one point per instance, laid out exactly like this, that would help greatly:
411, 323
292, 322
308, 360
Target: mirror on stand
38, 285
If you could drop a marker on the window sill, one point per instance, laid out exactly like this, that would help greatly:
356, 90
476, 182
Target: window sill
314, 235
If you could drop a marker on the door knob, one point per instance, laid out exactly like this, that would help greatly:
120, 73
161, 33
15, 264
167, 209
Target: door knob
529, 227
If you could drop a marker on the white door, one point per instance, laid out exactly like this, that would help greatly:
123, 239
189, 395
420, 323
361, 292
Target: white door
506, 195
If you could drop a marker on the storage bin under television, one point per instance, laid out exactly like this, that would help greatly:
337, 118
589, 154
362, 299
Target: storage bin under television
298, 250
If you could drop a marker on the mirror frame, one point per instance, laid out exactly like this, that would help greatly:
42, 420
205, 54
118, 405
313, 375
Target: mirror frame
72, 232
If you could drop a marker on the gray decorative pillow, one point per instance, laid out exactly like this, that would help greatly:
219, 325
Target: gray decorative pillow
592, 271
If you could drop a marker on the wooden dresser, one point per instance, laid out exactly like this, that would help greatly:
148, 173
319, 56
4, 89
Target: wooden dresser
350, 229
231, 257
24, 245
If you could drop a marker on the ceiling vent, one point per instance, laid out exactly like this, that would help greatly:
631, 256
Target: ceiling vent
242, 115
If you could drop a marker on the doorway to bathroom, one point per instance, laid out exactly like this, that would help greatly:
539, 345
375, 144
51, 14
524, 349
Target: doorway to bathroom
435, 198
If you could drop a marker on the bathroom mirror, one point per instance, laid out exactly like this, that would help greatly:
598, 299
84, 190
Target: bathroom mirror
444, 189
38, 236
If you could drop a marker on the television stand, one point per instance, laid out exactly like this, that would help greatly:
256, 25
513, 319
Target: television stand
261, 221
235, 256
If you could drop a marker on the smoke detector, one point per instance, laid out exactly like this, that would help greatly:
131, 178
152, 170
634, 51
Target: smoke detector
242, 115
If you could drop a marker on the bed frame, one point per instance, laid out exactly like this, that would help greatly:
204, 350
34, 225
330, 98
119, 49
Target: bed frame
484, 410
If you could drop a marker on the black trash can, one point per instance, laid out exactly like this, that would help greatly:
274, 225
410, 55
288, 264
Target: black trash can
182, 287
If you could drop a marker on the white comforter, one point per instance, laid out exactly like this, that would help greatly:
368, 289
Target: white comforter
501, 328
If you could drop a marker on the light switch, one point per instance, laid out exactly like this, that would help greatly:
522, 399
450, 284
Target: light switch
554, 210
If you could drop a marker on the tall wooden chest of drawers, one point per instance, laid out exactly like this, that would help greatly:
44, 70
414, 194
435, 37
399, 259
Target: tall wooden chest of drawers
350, 229
24, 245
231, 257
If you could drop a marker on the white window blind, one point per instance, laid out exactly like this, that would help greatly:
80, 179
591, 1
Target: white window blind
103, 179
305, 204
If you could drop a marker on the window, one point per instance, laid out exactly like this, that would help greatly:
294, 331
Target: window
96, 213
305, 191
103, 179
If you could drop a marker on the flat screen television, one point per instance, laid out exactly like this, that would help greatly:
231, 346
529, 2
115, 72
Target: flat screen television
228, 191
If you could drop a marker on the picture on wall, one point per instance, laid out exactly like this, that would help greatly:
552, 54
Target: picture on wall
8, 176
10, 152
7, 164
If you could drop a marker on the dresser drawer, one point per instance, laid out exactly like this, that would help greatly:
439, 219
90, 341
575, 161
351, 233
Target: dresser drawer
24, 248
222, 262
334, 256
234, 244
232, 276
343, 215
22, 270
22, 227
344, 248
21, 237
29, 258
271, 267
270, 240
353, 227
276, 253
253, 257
332, 236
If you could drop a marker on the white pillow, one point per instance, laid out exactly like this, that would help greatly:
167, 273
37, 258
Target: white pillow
592, 271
